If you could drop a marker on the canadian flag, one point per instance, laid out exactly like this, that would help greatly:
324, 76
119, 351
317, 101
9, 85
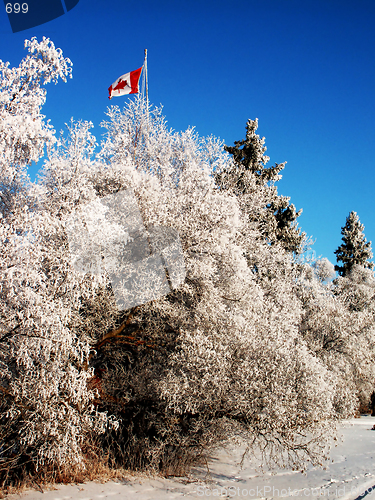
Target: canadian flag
126, 84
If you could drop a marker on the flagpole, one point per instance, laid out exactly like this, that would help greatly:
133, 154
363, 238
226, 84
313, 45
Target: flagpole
146, 77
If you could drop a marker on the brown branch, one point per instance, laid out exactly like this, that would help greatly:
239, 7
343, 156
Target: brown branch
117, 331
127, 339
111, 335
233, 300
5, 391
59, 286
9, 333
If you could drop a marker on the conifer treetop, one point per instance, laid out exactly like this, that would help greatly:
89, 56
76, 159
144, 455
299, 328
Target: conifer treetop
354, 250
247, 176
250, 154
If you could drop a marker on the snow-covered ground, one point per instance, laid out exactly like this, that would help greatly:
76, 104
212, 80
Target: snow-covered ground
351, 476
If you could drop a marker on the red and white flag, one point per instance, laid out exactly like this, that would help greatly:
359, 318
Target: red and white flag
126, 84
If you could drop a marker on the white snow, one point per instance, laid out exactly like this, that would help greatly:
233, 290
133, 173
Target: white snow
349, 476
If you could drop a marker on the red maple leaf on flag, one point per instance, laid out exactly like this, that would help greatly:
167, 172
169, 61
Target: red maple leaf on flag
121, 85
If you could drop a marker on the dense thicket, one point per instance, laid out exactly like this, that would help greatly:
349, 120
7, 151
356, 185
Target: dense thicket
253, 345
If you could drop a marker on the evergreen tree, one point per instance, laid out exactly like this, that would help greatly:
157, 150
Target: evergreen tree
248, 174
249, 155
354, 250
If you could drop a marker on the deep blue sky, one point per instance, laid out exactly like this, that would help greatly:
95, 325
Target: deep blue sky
305, 69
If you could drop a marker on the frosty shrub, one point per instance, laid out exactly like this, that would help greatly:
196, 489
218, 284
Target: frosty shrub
252, 346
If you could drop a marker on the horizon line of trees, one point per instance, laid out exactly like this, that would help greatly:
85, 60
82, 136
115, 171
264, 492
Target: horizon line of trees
257, 345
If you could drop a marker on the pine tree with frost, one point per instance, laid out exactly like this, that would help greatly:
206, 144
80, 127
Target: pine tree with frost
354, 250
278, 218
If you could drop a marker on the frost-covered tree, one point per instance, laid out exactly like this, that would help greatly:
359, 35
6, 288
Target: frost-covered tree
277, 218
331, 334
338, 327
46, 408
354, 250
24, 133
355, 290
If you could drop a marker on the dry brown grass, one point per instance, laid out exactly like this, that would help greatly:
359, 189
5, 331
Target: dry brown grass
95, 468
